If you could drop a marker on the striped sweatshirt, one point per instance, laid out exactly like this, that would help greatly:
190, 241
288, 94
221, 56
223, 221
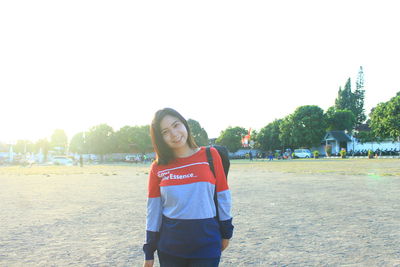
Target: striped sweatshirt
181, 213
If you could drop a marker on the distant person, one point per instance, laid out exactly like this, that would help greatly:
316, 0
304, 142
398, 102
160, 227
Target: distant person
81, 161
250, 155
181, 213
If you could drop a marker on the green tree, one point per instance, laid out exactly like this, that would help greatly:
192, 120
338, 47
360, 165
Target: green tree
141, 140
200, 135
133, 139
77, 144
286, 130
59, 140
44, 145
340, 119
353, 101
24, 146
231, 138
359, 95
345, 98
268, 137
385, 118
253, 138
99, 140
366, 136
304, 128
4, 147
123, 140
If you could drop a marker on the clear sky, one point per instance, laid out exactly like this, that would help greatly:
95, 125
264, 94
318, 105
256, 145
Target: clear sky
75, 64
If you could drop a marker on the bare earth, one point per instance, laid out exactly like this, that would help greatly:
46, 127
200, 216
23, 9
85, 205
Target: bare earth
286, 213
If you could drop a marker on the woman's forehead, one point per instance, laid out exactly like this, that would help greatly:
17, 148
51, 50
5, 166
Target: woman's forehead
167, 121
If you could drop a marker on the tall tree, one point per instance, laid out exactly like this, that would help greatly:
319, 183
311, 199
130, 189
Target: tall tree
231, 138
360, 78
385, 118
304, 128
59, 140
340, 119
345, 99
268, 137
141, 140
77, 144
99, 140
4, 147
133, 139
286, 130
123, 139
253, 139
44, 146
24, 146
353, 101
359, 95
200, 135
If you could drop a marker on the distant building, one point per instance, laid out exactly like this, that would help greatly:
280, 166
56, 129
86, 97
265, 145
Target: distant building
337, 140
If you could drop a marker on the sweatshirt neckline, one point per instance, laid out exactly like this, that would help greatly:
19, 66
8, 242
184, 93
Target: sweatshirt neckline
191, 156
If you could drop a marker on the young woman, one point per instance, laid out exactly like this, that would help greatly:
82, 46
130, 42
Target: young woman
181, 212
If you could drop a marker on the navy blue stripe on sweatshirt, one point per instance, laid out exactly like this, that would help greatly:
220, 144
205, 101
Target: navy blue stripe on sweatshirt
190, 238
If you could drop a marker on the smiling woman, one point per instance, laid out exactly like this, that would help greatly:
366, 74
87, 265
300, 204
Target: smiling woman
181, 198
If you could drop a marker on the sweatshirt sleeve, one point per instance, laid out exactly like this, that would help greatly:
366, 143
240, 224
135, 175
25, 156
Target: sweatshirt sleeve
223, 196
154, 216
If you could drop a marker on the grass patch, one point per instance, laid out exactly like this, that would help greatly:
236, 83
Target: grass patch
383, 167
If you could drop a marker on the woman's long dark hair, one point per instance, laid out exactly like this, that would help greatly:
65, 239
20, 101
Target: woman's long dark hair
163, 152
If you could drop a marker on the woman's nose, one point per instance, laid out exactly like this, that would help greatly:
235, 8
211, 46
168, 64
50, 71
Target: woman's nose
174, 133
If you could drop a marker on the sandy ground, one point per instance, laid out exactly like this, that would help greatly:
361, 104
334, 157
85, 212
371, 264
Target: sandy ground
285, 214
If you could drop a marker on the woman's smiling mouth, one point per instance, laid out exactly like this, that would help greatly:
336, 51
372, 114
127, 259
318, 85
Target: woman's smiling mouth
177, 141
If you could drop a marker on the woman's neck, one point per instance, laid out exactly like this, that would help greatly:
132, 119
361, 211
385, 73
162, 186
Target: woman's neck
185, 151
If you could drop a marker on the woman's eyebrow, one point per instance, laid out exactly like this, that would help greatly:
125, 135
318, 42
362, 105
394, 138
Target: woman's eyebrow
170, 125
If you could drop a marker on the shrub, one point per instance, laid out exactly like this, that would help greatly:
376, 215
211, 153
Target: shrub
343, 153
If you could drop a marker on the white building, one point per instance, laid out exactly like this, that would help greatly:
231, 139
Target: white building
339, 139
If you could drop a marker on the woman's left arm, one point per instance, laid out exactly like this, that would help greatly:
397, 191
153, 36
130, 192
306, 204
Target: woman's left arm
224, 198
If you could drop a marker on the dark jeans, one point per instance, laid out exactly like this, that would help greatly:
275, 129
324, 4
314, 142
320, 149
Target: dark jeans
172, 261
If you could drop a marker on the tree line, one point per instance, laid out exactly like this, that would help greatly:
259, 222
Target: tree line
305, 127
101, 140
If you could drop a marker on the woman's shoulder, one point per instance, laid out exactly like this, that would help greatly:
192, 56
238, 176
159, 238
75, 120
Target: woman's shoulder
214, 152
154, 165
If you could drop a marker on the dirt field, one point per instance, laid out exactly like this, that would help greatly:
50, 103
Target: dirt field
286, 213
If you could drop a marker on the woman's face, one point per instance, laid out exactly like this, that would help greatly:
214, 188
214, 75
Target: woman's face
173, 132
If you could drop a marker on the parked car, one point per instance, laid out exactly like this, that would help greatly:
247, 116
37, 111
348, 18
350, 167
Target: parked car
132, 158
302, 153
62, 160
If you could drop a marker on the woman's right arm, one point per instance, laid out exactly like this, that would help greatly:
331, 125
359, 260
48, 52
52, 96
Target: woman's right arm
154, 216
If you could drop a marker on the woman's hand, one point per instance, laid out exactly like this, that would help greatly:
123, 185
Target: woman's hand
148, 263
225, 244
